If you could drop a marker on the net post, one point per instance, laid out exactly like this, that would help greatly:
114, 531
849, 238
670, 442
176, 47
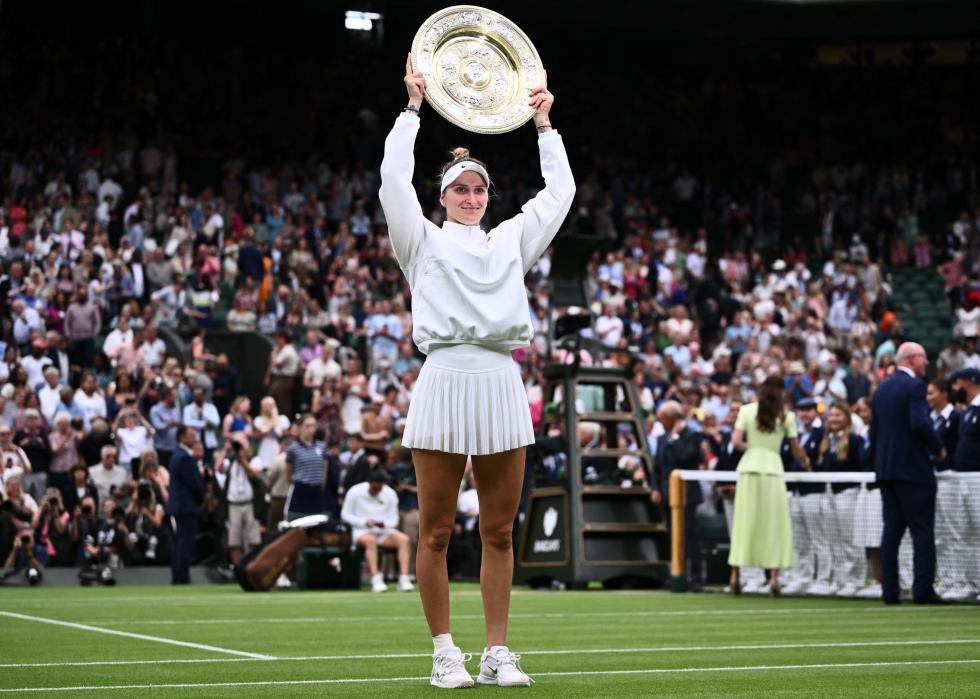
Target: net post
678, 500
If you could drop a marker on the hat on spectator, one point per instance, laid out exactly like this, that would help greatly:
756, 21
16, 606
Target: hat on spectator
806, 404
779, 266
968, 374
797, 368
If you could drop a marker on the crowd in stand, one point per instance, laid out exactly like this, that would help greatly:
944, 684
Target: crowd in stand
714, 280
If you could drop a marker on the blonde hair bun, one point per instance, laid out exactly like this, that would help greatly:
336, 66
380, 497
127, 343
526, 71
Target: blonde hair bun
460, 153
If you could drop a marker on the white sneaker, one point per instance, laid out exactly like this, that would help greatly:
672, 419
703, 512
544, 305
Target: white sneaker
283, 582
501, 667
754, 587
872, 591
956, 593
795, 587
822, 587
449, 669
405, 584
378, 583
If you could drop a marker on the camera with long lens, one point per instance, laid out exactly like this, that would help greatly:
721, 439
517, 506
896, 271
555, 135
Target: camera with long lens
144, 492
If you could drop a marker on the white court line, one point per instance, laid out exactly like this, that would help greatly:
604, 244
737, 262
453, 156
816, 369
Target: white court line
574, 673
382, 617
140, 636
564, 651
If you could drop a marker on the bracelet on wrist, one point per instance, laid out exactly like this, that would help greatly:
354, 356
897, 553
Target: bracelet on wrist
542, 127
414, 110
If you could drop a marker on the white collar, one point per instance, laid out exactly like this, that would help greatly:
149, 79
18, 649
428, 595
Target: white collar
976, 400
944, 413
908, 371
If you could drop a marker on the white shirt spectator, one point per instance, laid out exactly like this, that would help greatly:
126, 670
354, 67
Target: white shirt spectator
35, 369
105, 479
153, 352
609, 329
204, 419
49, 398
695, 265
360, 506
110, 188
93, 405
681, 356
114, 339
321, 369
24, 323
468, 505
968, 321
131, 441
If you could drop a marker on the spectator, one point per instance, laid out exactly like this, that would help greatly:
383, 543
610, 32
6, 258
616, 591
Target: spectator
269, 427
403, 476
243, 529
111, 480
237, 424
165, 418
284, 366
33, 440
203, 417
133, 434
951, 359
371, 510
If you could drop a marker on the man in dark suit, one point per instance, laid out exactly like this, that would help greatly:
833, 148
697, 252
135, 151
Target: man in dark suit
902, 446
184, 504
679, 448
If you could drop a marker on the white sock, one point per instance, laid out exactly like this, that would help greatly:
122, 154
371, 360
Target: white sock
442, 642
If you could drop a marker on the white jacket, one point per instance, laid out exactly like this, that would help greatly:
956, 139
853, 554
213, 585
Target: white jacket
467, 285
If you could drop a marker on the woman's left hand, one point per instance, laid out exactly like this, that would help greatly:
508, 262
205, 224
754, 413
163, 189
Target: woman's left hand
541, 99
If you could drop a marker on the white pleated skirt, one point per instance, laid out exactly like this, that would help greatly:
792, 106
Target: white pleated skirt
468, 400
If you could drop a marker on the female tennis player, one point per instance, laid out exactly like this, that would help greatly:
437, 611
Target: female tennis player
469, 311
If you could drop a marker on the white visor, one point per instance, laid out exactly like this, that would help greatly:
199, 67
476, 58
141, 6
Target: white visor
459, 168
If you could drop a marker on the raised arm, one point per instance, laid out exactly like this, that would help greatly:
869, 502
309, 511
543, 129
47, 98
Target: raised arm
403, 213
541, 217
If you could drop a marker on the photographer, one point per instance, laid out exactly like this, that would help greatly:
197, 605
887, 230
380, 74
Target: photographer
21, 557
148, 533
84, 528
12, 521
52, 532
106, 541
243, 529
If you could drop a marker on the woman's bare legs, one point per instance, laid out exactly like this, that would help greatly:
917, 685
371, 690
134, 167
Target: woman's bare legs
498, 479
438, 475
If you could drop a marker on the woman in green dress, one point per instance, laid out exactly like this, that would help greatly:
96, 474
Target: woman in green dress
762, 535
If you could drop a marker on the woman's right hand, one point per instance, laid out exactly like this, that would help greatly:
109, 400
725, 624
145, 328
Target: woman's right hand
414, 83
